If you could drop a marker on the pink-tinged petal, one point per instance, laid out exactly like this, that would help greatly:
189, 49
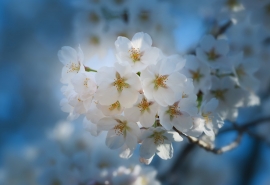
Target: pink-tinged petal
114, 140
148, 148
123, 44
165, 150
142, 41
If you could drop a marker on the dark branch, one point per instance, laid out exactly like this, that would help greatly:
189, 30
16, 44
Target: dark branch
208, 146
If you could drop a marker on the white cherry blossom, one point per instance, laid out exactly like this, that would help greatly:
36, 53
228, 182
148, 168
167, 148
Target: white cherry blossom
158, 141
117, 83
138, 52
72, 61
121, 133
213, 52
143, 111
199, 72
162, 81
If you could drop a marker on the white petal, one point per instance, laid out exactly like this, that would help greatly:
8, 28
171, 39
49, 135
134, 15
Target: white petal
114, 141
148, 148
165, 150
106, 123
129, 146
123, 44
173, 136
142, 41
132, 114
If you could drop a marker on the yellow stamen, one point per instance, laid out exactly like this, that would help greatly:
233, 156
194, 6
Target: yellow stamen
158, 138
135, 54
212, 55
174, 111
144, 105
121, 127
220, 94
73, 67
120, 83
160, 81
196, 75
207, 117
114, 106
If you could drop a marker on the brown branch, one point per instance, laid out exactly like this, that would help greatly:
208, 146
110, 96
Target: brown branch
209, 147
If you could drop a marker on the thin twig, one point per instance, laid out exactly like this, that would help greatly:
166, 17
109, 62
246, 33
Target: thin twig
209, 147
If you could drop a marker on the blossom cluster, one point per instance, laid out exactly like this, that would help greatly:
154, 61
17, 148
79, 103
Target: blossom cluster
146, 96
73, 158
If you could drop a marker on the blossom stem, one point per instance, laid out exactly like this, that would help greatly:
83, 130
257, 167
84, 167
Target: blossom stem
88, 69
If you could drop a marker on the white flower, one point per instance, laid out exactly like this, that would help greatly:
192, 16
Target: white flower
79, 104
230, 97
199, 72
213, 52
117, 84
83, 84
212, 121
72, 61
121, 133
244, 70
138, 52
177, 115
158, 141
161, 82
143, 111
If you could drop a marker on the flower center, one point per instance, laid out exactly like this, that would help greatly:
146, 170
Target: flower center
212, 55
135, 54
94, 40
120, 83
93, 17
196, 75
73, 67
114, 106
184, 95
121, 127
174, 111
220, 94
158, 138
207, 117
85, 83
160, 81
232, 3
144, 105
240, 71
